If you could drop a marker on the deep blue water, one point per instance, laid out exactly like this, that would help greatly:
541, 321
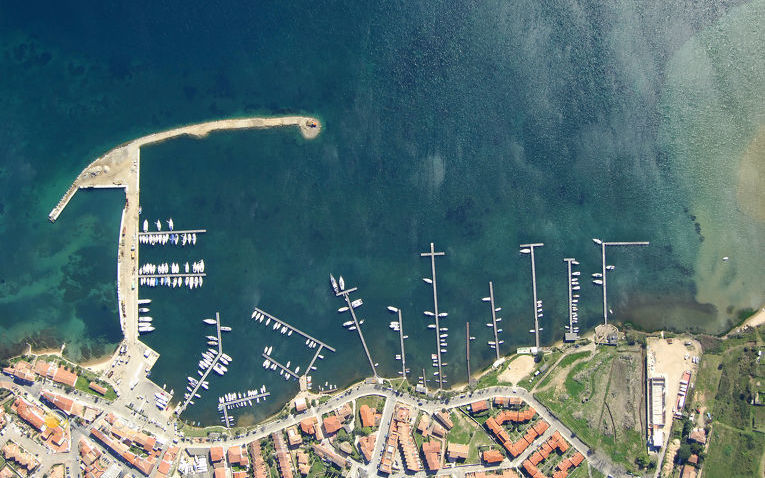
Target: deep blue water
477, 126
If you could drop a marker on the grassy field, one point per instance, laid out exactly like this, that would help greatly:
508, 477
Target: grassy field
83, 385
545, 368
728, 447
372, 401
707, 382
565, 362
467, 432
582, 407
732, 399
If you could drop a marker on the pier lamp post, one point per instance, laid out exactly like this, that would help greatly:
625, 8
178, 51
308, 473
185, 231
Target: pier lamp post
401, 335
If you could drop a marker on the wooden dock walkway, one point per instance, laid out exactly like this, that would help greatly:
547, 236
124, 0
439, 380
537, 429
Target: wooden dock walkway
534, 287
294, 329
603, 245
345, 294
279, 365
432, 254
570, 336
182, 274
494, 318
194, 390
184, 231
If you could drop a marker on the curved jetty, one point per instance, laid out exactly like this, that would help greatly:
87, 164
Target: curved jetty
120, 168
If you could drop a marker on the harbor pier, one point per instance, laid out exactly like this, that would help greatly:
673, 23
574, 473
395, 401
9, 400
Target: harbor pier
289, 327
573, 309
433, 254
181, 408
280, 366
529, 249
345, 294
494, 319
604, 267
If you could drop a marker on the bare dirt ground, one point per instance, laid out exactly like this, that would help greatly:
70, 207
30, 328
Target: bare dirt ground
518, 369
672, 360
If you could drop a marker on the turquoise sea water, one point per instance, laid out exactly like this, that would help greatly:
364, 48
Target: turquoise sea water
474, 126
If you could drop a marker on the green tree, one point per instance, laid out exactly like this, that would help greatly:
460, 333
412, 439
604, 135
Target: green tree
683, 453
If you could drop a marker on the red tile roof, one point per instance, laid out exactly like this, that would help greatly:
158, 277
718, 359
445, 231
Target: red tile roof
479, 406
216, 453
332, 424
367, 416
98, 388
493, 456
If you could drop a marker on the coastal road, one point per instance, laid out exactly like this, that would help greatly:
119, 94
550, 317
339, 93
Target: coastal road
429, 406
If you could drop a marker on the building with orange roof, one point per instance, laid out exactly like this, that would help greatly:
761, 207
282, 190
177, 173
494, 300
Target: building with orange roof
237, 456
422, 427
491, 457
541, 427
219, 472
501, 401
59, 401
367, 415
332, 424
438, 430
307, 426
432, 451
282, 455
386, 461
97, 388
345, 412
329, 455
444, 419
293, 437
13, 452
259, 468
530, 468
367, 446
216, 454
56, 373
21, 370
408, 447
457, 451
535, 458
236, 474
479, 406
30, 414
576, 459
304, 466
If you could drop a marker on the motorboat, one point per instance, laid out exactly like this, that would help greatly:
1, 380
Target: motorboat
428, 280
209, 321
333, 282
145, 225
341, 283
343, 309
